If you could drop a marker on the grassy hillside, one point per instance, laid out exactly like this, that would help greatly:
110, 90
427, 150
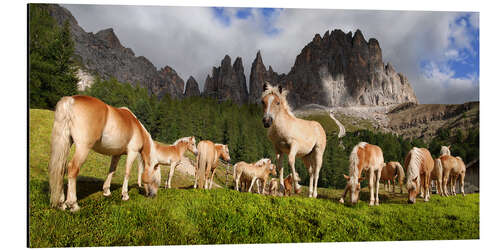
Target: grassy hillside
187, 216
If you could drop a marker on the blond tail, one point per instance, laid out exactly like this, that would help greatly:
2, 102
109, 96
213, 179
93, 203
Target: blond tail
401, 173
60, 145
201, 162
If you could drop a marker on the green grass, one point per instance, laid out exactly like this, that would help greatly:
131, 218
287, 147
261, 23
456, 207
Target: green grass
187, 216
351, 124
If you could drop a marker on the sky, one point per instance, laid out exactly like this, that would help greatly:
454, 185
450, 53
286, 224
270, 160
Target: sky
437, 51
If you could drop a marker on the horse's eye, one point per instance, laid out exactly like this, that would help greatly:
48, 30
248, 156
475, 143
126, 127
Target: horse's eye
277, 103
263, 103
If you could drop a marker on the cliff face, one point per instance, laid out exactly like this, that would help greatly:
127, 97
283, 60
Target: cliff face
339, 69
102, 54
192, 88
227, 82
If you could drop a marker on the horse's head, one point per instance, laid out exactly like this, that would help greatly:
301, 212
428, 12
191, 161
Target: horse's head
445, 150
273, 169
271, 103
151, 179
192, 145
224, 150
354, 186
413, 186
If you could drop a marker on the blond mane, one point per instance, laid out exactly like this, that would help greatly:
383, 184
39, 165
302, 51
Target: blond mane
262, 161
270, 90
354, 161
413, 165
445, 150
183, 139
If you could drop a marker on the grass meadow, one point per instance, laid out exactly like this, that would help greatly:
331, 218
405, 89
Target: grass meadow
223, 216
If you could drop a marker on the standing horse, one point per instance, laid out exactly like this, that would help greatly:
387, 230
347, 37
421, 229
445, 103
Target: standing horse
244, 173
206, 161
368, 157
419, 164
293, 136
453, 167
171, 155
89, 123
390, 172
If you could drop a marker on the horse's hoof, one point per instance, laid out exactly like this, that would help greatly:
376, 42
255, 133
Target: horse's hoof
341, 200
62, 206
125, 197
376, 203
106, 193
74, 208
371, 203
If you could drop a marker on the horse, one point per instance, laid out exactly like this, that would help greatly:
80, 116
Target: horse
453, 167
273, 187
240, 175
419, 164
390, 171
90, 123
288, 184
171, 155
366, 157
293, 136
206, 161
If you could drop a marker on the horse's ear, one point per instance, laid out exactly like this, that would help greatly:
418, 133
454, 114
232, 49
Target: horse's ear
280, 89
346, 177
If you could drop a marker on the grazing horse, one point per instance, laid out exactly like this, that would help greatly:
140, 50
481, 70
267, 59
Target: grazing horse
171, 155
453, 167
273, 187
293, 136
206, 162
368, 157
288, 185
90, 123
419, 164
390, 172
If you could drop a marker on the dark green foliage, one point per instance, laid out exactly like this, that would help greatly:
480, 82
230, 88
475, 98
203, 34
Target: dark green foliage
240, 127
51, 67
465, 145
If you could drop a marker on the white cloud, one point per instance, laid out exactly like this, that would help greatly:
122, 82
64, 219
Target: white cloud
191, 40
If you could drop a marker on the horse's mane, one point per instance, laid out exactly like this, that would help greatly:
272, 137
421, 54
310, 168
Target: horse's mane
415, 161
261, 161
282, 96
353, 159
183, 139
445, 150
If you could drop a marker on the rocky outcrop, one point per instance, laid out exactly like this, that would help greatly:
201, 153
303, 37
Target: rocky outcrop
258, 76
340, 69
227, 82
103, 55
192, 88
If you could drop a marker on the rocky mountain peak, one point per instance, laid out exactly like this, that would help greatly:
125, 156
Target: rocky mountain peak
192, 88
227, 82
258, 76
109, 36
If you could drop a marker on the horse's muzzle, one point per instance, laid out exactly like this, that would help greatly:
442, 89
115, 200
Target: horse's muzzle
268, 121
411, 201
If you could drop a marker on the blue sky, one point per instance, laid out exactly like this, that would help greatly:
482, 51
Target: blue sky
437, 51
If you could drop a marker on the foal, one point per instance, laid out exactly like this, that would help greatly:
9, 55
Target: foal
171, 155
206, 161
288, 185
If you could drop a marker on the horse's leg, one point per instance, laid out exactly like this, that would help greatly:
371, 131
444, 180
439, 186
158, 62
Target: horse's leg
237, 181
344, 193
112, 168
377, 184
258, 185
251, 184
462, 181
79, 157
208, 168
212, 177
291, 162
131, 155
371, 183
168, 183
317, 167
445, 181
140, 169
279, 165
309, 167
427, 181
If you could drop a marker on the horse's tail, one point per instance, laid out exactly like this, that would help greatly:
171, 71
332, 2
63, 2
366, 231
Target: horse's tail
401, 172
60, 145
438, 165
